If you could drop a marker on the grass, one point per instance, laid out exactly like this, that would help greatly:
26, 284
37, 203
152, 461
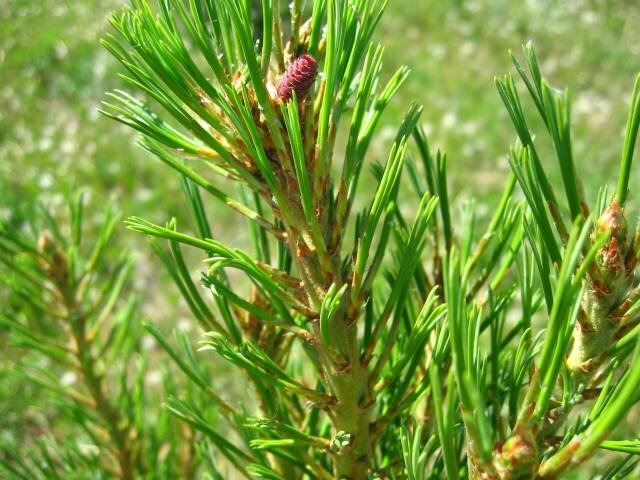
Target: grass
456, 48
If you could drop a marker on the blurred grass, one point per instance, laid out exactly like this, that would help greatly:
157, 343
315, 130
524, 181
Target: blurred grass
456, 48
53, 74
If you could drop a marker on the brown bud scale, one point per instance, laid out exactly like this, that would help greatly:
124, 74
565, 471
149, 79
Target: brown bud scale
298, 78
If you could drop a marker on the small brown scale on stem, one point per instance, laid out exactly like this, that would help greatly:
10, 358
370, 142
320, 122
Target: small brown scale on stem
266, 335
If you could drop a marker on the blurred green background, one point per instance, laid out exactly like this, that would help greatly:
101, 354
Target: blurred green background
53, 75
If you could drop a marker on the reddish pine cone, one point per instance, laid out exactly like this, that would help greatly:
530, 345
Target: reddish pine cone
299, 77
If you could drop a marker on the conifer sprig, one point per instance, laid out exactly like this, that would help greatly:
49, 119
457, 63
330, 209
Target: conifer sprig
73, 316
470, 344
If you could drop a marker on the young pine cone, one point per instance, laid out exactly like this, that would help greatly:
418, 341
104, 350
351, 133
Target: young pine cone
298, 78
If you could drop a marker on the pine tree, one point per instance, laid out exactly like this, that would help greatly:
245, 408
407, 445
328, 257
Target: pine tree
376, 344
70, 310
402, 330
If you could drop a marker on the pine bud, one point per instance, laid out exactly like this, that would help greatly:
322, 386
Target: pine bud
519, 456
56, 263
47, 245
611, 257
612, 220
298, 78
